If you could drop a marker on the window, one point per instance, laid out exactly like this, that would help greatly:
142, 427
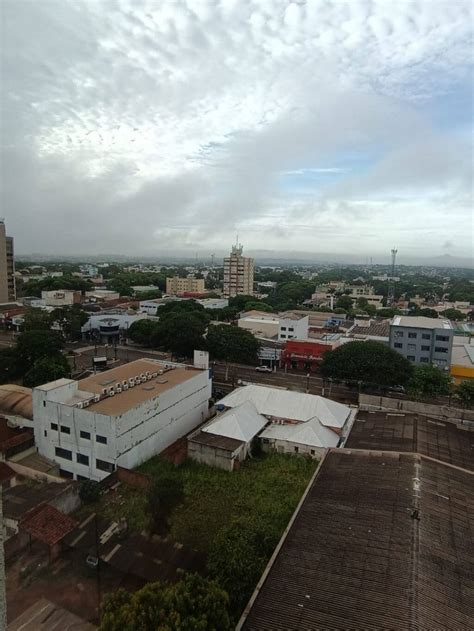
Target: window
312, 452
65, 430
398, 345
424, 360
442, 338
411, 347
102, 465
283, 328
63, 453
86, 435
399, 333
425, 348
291, 328
44, 404
101, 439
283, 335
81, 459
66, 474
45, 432
440, 349
412, 336
441, 362
54, 426
296, 450
425, 336
411, 358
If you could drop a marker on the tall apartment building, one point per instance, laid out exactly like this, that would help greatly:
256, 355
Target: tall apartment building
178, 286
7, 266
422, 340
238, 273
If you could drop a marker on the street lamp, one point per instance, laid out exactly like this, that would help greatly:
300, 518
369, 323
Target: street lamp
308, 375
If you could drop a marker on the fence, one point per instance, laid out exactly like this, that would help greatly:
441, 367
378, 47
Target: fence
416, 407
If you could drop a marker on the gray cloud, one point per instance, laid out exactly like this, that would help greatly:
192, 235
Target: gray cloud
167, 126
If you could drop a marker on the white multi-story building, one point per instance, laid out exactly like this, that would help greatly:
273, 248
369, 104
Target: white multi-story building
423, 340
122, 416
293, 327
238, 273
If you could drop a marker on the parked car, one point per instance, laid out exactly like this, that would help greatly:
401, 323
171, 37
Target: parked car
263, 369
400, 389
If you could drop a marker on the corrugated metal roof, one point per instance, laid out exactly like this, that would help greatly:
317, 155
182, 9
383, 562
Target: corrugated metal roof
311, 433
242, 423
295, 406
381, 541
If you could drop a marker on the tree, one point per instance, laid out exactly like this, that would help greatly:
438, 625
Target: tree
369, 362
70, 319
232, 344
344, 302
46, 369
465, 392
428, 313
36, 320
33, 345
429, 381
165, 493
179, 306
180, 333
10, 365
141, 331
237, 558
239, 302
454, 314
192, 604
90, 491
258, 306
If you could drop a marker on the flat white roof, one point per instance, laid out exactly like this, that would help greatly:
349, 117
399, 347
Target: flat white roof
420, 322
284, 404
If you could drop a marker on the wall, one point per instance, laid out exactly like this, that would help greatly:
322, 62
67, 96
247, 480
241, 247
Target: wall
287, 447
429, 356
367, 401
299, 329
267, 327
214, 457
133, 478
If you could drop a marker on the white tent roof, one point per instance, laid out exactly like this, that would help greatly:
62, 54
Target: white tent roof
296, 406
242, 423
311, 433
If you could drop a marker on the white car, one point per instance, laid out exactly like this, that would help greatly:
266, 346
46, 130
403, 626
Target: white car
263, 369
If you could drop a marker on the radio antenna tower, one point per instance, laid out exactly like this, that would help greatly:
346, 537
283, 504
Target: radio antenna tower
391, 282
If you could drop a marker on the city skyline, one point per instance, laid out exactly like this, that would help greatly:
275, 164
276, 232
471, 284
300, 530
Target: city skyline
306, 127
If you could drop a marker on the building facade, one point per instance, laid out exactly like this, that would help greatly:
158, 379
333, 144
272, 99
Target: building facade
238, 273
422, 340
7, 266
293, 327
61, 297
177, 286
120, 417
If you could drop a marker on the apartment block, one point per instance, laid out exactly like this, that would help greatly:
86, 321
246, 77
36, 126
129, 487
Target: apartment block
7, 266
178, 286
422, 340
238, 273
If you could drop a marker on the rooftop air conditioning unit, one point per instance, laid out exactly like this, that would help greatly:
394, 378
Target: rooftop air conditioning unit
160, 372
137, 380
104, 390
147, 373
131, 382
142, 374
143, 379
80, 405
124, 382
97, 398
154, 374
112, 393
85, 404
111, 390
125, 386
118, 389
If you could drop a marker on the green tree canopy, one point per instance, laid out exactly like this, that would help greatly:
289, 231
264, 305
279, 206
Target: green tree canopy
36, 320
465, 392
180, 333
141, 331
232, 344
70, 319
454, 314
192, 604
344, 302
428, 313
179, 306
35, 287
429, 381
239, 302
11, 367
33, 345
369, 362
258, 306
46, 369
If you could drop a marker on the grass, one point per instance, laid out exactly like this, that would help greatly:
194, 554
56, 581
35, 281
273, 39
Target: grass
266, 490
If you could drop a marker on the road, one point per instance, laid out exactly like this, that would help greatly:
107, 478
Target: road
290, 380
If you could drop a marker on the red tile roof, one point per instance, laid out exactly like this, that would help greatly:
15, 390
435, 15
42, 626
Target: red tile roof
47, 524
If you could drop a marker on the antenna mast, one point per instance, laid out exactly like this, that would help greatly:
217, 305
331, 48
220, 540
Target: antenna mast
391, 282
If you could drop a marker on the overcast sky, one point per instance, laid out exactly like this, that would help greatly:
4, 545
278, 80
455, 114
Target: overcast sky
168, 127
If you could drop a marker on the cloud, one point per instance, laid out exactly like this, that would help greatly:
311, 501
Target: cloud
140, 128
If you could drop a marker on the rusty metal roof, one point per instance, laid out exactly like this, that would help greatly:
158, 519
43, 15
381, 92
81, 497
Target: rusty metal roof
445, 441
214, 440
16, 401
382, 540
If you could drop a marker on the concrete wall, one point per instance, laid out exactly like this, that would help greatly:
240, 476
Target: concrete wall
214, 457
268, 328
293, 329
287, 447
371, 402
